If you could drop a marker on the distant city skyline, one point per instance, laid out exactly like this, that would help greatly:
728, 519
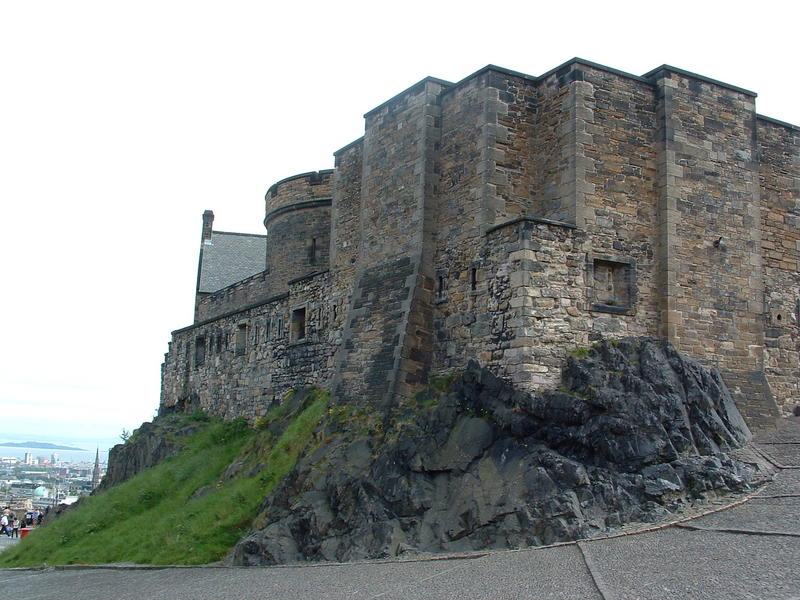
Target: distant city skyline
88, 446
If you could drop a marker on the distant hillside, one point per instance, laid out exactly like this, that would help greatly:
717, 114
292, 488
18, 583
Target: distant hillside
40, 446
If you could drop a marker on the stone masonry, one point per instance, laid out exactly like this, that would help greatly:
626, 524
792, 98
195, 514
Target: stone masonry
513, 220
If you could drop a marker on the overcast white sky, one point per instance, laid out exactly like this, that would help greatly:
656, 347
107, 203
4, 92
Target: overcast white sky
122, 121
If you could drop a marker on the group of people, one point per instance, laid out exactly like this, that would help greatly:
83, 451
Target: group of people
10, 524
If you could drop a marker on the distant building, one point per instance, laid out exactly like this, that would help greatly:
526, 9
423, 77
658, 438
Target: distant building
96, 470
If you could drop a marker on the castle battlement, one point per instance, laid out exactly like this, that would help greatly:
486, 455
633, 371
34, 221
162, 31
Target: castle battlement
296, 187
511, 219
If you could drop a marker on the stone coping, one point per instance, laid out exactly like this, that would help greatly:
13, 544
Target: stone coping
530, 220
321, 174
258, 235
223, 291
777, 122
651, 75
350, 145
407, 91
297, 206
309, 276
647, 78
232, 313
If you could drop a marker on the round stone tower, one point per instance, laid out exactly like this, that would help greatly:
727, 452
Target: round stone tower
298, 222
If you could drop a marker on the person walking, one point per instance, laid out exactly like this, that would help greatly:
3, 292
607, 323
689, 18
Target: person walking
4, 525
15, 527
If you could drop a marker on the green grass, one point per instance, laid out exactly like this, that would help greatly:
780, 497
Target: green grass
441, 382
182, 511
580, 352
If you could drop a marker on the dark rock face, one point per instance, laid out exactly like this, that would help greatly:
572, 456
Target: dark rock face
640, 431
150, 444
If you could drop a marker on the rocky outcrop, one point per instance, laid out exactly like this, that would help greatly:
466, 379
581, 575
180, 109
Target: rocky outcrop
637, 431
151, 443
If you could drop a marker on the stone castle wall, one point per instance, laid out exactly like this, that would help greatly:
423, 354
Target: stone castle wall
516, 310
242, 364
779, 173
345, 216
514, 219
388, 332
710, 236
233, 298
616, 170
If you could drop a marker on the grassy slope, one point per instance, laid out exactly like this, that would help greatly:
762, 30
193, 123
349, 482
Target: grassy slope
182, 511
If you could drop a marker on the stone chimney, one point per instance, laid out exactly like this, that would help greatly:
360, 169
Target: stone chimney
208, 222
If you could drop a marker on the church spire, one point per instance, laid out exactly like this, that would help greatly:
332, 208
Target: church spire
96, 471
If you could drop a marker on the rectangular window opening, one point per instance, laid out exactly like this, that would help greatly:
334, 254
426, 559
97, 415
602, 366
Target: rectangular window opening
200, 351
473, 279
312, 252
298, 329
240, 344
440, 283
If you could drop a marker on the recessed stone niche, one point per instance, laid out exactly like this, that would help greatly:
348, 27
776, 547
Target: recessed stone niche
611, 283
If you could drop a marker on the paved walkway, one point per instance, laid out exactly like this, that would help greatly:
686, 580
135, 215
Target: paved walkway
751, 550
7, 542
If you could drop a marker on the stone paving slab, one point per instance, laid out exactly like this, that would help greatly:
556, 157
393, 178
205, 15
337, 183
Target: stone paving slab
786, 430
544, 573
776, 515
677, 563
783, 454
785, 482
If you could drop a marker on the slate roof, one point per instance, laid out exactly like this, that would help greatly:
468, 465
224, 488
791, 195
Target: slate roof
230, 257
